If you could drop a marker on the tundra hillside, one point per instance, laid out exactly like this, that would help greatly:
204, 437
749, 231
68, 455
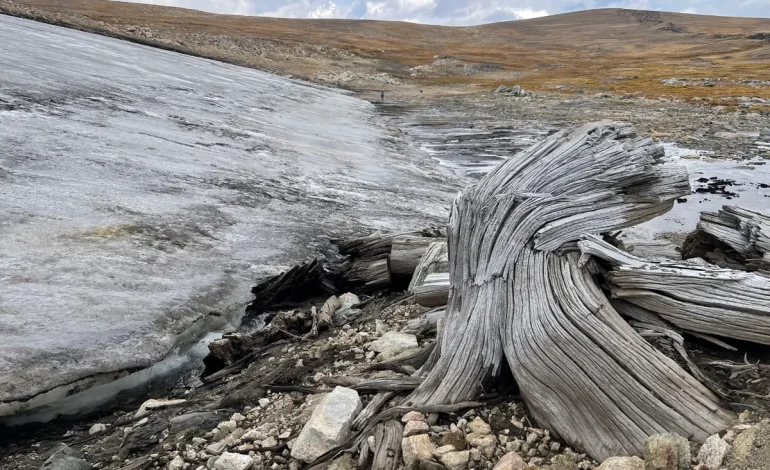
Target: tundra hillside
614, 51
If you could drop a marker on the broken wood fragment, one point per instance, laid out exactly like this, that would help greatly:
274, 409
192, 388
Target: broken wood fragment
406, 252
434, 291
387, 447
435, 260
704, 299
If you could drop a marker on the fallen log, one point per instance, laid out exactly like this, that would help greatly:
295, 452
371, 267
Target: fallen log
704, 299
435, 260
287, 289
733, 237
434, 291
517, 297
406, 252
367, 274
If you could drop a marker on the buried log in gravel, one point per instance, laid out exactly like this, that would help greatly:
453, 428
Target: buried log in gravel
518, 295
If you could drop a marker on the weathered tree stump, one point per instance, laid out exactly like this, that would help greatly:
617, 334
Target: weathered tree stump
520, 295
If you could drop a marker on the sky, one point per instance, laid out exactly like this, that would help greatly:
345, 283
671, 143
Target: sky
459, 12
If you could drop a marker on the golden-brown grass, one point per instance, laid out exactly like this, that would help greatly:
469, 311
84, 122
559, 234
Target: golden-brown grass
616, 51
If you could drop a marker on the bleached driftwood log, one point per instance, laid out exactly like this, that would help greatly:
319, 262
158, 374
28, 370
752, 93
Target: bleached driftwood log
367, 273
653, 250
406, 252
434, 291
732, 237
435, 260
582, 370
704, 299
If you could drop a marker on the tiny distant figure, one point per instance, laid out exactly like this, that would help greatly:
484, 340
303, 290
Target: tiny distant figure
420, 91
382, 95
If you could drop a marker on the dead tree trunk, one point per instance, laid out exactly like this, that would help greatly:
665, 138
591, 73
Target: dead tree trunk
406, 253
516, 296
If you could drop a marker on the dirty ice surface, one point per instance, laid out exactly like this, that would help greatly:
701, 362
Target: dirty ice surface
143, 192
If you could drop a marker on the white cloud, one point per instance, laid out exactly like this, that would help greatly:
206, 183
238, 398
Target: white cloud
457, 12
324, 11
528, 13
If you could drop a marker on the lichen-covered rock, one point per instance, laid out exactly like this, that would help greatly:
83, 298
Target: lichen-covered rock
393, 343
486, 443
479, 426
456, 460
413, 416
563, 462
415, 427
622, 463
232, 461
751, 448
667, 452
713, 451
510, 461
414, 448
329, 424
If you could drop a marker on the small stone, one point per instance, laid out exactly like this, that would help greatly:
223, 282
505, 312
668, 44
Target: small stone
415, 427
510, 461
216, 448
393, 343
263, 402
153, 404
176, 464
253, 435
486, 443
622, 463
666, 452
234, 437
536, 461
348, 300
456, 460
443, 450
454, 438
380, 327
96, 429
563, 462
269, 442
417, 447
413, 416
231, 461
478, 426
66, 458
285, 435
713, 451
329, 424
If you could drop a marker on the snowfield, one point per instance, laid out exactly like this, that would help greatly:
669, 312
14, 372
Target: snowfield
141, 190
